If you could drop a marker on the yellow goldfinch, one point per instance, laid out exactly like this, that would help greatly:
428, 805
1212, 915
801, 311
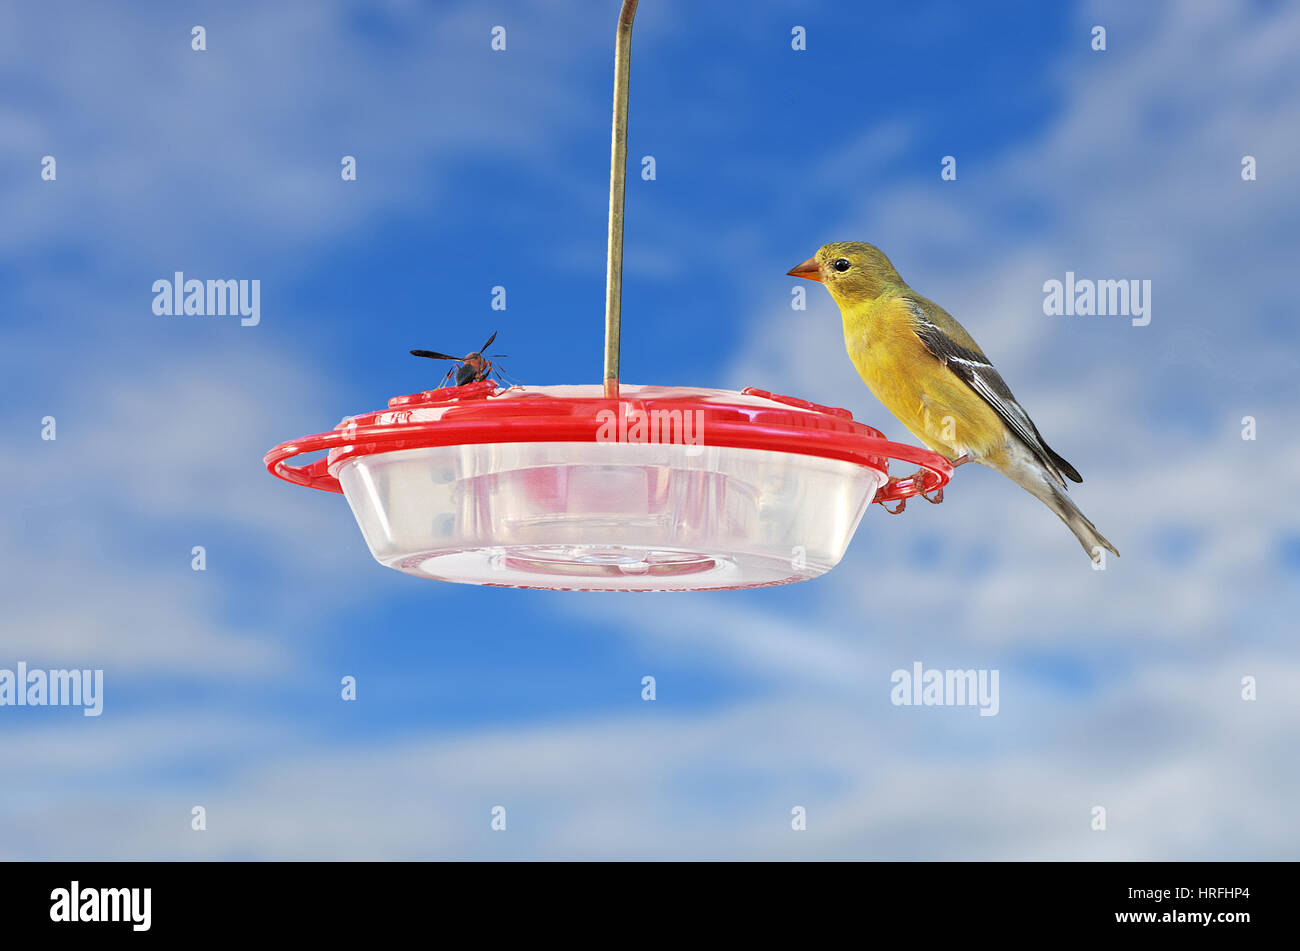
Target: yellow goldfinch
933, 376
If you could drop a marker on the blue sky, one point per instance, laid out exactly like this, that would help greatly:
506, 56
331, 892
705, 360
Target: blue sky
477, 168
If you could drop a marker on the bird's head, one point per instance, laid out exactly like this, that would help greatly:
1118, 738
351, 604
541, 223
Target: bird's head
853, 271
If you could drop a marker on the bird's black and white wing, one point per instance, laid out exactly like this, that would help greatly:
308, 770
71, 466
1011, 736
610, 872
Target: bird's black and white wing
975, 370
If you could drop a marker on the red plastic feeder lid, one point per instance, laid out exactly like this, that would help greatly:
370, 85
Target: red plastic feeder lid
484, 413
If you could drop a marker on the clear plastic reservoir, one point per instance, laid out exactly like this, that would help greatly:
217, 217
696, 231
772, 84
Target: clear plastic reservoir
607, 516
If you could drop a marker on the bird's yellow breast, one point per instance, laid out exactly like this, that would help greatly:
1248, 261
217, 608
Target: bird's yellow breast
928, 398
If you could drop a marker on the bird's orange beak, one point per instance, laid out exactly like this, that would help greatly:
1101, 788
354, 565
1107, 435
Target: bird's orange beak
810, 270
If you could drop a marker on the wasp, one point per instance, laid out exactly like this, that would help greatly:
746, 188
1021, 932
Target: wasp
470, 368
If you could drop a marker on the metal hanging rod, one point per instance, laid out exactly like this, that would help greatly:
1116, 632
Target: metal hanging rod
617, 187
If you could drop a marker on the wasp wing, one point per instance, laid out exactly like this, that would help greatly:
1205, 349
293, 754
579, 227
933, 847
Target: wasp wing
433, 355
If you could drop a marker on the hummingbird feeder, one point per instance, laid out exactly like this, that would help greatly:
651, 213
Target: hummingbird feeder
611, 487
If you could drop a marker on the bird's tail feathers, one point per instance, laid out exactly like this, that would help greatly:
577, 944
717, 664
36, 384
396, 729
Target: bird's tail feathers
1062, 466
1037, 483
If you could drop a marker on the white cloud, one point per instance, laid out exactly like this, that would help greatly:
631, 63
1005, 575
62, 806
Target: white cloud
877, 782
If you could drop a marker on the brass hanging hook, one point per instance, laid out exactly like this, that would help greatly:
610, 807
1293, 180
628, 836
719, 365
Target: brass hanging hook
617, 186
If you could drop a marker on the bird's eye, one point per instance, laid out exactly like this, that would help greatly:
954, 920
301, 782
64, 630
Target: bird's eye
841, 264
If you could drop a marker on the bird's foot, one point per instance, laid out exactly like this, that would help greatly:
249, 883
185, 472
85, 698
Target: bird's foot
936, 496
886, 488
916, 479
902, 504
